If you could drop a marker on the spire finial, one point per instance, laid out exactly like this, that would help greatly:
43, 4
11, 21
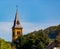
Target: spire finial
17, 7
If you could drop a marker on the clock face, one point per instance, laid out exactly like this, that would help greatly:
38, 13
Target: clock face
18, 23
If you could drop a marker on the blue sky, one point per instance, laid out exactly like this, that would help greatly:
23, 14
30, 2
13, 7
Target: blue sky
34, 15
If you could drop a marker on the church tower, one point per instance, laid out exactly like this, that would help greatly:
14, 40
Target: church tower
17, 28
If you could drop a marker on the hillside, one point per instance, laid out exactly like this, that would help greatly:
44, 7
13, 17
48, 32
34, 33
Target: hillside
52, 31
39, 39
35, 40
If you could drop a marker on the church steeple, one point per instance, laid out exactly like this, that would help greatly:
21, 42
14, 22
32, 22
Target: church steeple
17, 21
17, 28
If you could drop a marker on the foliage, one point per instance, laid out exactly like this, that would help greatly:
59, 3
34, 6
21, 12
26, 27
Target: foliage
4, 44
34, 40
52, 31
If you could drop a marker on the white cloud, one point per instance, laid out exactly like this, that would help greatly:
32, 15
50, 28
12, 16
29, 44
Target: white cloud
6, 28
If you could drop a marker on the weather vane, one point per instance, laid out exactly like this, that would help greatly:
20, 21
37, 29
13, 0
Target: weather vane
17, 7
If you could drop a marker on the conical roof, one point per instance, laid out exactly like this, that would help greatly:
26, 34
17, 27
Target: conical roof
17, 21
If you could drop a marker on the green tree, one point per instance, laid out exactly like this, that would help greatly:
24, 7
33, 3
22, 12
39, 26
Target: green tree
4, 44
34, 40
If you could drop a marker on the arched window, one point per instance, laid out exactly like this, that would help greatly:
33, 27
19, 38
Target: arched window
18, 32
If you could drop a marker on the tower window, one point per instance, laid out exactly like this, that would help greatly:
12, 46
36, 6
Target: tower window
18, 32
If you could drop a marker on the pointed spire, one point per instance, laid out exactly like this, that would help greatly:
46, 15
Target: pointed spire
17, 16
17, 21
